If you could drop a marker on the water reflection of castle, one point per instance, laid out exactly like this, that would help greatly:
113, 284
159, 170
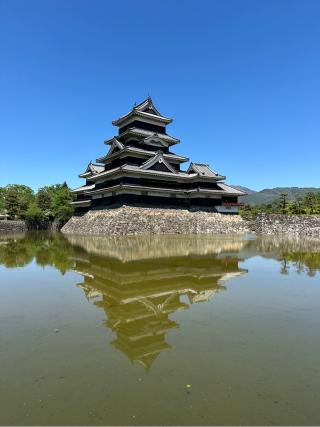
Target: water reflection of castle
139, 295
141, 281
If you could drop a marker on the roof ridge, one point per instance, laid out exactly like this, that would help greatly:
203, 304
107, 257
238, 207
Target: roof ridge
139, 110
147, 103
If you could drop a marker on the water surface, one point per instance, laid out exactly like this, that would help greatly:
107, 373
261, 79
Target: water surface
110, 331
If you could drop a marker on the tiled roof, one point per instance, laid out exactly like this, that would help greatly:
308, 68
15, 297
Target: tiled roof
148, 171
135, 150
96, 168
165, 155
231, 189
133, 168
143, 110
145, 133
157, 158
202, 169
191, 191
83, 188
146, 105
92, 169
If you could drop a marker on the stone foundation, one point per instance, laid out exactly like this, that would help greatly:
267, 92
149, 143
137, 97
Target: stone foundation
128, 220
294, 225
12, 227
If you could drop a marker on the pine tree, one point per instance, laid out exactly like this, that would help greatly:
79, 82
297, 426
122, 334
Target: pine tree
283, 202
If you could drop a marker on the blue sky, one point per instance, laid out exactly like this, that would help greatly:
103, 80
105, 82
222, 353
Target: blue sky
240, 78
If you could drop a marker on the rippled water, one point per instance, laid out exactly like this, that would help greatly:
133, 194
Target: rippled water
159, 330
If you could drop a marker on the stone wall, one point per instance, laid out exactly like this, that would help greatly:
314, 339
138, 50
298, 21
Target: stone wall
22, 226
128, 220
294, 225
12, 227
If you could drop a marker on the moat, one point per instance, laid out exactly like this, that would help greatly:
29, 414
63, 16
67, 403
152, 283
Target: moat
159, 330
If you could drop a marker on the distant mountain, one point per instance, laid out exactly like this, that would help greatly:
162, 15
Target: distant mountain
270, 194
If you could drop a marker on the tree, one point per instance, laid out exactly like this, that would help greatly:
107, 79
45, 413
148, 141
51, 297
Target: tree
300, 208
64, 213
317, 208
283, 200
61, 198
44, 199
55, 201
17, 200
34, 215
2, 198
50, 203
310, 202
11, 204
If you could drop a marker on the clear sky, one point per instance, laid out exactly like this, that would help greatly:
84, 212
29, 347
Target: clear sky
240, 78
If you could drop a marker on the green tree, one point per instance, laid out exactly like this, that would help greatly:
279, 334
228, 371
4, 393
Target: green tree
311, 202
17, 200
34, 215
44, 199
317, 207
283, 201
54, 201
2, 199
50, 203
11, 204
64, 213
61, 202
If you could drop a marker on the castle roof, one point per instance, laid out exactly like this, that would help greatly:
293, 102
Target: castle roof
157, 158
142, 135
202, 169
145, 110
141, 152
91, 169
83, 188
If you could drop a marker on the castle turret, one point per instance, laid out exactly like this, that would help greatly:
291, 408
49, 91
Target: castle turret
140, 168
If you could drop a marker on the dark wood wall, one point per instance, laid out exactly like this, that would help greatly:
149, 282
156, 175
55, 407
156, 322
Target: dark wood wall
143, 125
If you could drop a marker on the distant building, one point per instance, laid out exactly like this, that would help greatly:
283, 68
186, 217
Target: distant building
140, 168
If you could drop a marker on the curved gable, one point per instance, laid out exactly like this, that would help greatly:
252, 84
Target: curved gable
158, 163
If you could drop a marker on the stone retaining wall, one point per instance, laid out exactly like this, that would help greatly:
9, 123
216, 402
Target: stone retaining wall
13, 227
295, 225
128, 220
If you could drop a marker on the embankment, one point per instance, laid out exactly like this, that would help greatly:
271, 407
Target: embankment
12, 227
127, 220
293, 225
23, 226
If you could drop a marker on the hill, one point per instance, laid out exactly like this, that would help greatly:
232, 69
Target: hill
270, 194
